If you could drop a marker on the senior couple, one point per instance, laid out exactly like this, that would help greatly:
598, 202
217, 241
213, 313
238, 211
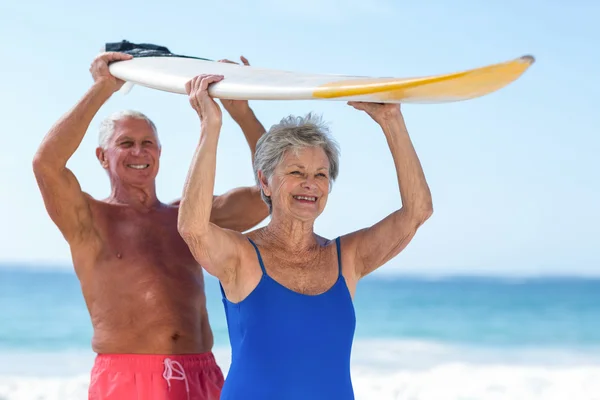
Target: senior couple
287, 292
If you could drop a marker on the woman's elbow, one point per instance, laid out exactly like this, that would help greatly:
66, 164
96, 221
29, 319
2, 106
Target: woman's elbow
188, 230
427, 210
422, 212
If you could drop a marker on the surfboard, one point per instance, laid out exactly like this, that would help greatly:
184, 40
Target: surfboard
156, 67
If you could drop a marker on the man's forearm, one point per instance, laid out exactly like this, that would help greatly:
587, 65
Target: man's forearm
251, 127
66, 135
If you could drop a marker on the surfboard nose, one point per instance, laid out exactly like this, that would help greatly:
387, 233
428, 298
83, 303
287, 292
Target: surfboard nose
529, 59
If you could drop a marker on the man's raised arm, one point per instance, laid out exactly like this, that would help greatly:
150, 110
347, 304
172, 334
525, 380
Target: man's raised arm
65, 202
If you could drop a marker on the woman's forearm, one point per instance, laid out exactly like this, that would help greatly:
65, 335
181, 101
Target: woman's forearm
414, 191
196, 202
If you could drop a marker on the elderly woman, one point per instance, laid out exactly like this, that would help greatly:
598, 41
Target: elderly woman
288, 292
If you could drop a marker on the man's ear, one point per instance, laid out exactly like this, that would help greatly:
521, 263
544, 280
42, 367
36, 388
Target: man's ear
101, 155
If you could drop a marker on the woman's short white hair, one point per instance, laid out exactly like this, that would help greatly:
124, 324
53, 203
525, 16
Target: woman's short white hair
294, 133
107, 126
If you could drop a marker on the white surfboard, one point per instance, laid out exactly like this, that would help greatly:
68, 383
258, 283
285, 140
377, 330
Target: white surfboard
251, 83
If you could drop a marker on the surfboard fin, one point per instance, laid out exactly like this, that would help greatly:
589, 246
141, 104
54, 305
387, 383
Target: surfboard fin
126, 88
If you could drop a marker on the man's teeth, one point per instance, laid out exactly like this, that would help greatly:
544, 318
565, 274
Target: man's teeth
138, 166
305, 198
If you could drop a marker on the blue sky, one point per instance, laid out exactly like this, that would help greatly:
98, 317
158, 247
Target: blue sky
514, 175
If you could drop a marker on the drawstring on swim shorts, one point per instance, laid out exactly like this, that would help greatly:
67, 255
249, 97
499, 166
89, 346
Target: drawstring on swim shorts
171, 366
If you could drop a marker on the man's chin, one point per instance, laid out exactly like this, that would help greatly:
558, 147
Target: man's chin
138, 180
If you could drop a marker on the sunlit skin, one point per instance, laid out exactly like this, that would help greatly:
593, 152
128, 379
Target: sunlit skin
299, 186
143, 288
132, 156
293, 254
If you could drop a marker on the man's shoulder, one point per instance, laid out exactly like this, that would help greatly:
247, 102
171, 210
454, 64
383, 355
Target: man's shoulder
99, 204
94, 203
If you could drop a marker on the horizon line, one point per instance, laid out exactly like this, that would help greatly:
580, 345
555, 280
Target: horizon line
26, 266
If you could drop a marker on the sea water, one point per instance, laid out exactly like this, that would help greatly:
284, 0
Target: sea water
416, 339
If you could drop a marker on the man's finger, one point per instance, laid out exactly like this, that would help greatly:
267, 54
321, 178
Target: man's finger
121, 56
114, 56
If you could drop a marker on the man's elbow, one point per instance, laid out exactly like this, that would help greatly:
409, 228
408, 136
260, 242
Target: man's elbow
42, 164
250, 220
262, 211
258, 208
259, 217
38, 163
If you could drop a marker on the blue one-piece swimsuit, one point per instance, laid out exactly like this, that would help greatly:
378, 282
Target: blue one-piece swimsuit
290, 346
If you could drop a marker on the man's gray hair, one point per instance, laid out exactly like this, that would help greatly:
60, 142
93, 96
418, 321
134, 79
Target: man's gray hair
294, 133
107, 126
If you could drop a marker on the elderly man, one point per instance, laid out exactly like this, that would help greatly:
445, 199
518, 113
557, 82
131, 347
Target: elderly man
143, 288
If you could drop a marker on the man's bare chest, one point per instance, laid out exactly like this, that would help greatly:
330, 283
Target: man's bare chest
152, 240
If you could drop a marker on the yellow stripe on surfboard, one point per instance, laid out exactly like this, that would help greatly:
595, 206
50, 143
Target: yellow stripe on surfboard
439, 88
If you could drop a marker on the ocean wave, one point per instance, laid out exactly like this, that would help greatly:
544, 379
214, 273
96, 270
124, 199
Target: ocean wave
421, 354
463, 381
448, 382
383, 370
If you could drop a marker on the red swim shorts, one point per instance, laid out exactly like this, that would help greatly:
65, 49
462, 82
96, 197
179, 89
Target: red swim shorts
156, 377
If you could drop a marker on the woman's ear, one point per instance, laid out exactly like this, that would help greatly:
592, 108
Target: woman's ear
264, 184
